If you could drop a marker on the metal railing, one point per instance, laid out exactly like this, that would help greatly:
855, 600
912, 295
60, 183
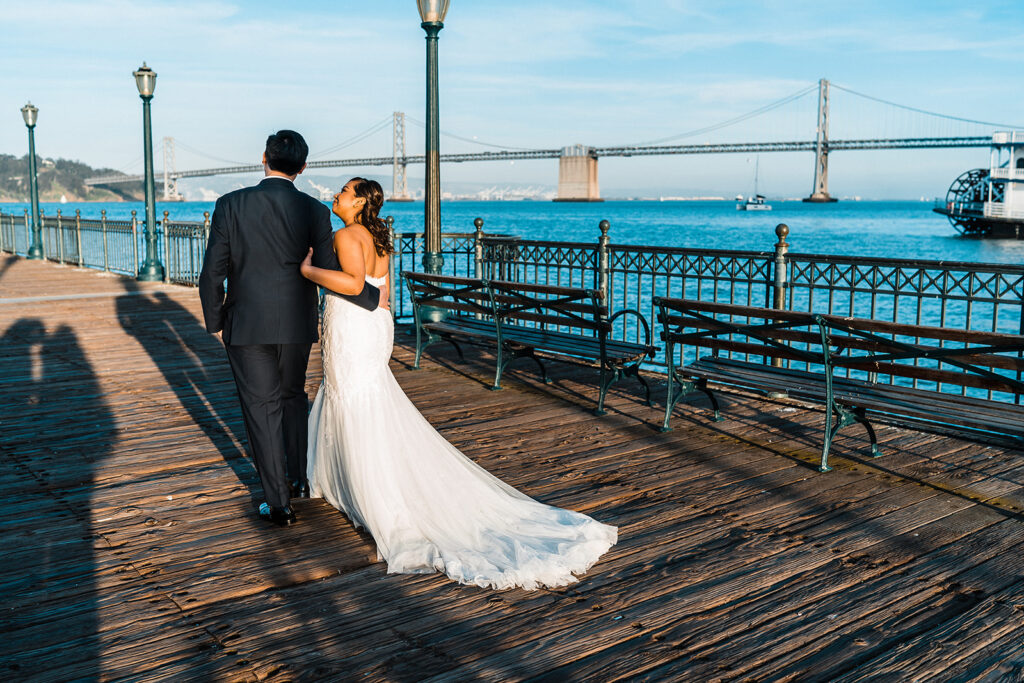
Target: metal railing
110, 245
968, 296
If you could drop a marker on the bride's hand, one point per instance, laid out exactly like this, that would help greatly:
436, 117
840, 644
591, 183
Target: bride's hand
307, 263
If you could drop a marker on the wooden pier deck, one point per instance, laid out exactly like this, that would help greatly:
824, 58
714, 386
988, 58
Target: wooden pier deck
131, 551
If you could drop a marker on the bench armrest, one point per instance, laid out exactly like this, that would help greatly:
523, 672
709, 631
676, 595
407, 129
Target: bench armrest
643, 321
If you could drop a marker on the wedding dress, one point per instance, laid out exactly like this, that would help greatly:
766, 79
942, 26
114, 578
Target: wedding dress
429, 508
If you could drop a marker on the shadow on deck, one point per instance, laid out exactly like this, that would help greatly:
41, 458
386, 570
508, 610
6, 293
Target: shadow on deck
132, 549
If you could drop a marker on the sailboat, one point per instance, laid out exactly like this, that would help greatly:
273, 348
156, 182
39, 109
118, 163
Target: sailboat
755, 203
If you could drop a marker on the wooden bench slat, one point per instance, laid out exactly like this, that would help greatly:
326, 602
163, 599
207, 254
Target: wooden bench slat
954, 408
555, 340
508, 286
879, 326
992, 360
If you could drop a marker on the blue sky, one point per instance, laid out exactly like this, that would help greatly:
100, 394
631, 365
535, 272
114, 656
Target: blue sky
524, 74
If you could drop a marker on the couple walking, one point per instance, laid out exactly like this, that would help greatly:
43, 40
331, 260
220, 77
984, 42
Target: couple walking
364, 447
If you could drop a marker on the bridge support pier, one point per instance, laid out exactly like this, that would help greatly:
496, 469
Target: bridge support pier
399, 185
577, 175
820, 193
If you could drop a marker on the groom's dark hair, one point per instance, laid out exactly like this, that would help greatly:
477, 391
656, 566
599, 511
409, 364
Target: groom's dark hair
286, 152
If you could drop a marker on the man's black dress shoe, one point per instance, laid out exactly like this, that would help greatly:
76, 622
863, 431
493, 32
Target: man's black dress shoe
299, 488
279, 516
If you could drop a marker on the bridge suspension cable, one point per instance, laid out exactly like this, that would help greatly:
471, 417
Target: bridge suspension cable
132, 164
470, 140
924, 111
358, 137
205, 155
743, 117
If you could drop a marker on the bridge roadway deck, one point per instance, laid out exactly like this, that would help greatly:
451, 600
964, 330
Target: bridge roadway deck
131, 550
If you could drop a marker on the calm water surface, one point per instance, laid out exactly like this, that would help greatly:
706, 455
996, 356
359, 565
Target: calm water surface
900, 229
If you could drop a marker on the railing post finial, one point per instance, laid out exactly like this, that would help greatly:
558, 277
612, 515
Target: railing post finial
478, 248
602, 260
781, 269
167, 247
392, 287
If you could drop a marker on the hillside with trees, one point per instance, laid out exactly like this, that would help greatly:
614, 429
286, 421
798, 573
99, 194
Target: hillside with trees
59, 178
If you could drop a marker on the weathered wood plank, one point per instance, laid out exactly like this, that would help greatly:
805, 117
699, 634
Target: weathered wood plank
132, 549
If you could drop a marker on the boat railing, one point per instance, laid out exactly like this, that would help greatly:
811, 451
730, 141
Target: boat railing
1000, 210
1012, 137
960, 207
1007, 173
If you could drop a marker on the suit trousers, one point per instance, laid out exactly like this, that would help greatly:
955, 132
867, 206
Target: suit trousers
271, 380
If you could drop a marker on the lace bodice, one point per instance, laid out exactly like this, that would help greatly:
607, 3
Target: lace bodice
377, 281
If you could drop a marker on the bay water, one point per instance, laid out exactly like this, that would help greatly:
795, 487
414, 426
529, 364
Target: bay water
899, 229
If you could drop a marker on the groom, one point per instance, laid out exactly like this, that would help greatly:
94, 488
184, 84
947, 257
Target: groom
268, 320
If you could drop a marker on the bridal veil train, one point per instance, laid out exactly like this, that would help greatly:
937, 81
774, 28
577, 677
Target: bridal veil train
429, 507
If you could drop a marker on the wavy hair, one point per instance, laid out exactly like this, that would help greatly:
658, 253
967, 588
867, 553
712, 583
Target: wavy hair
369, 217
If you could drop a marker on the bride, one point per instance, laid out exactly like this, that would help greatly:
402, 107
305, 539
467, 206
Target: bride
373, 455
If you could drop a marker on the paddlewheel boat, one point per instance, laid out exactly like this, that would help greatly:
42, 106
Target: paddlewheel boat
989, 202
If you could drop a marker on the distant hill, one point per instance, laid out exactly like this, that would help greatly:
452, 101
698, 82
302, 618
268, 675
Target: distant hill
57, 178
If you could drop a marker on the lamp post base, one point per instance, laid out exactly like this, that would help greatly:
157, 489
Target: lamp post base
151, 272
35, 253
433, 262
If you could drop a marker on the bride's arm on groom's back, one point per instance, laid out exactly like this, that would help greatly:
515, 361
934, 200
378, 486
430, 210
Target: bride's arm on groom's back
351, 279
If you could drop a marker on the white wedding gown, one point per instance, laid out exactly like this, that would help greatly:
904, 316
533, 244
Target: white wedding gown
429, 508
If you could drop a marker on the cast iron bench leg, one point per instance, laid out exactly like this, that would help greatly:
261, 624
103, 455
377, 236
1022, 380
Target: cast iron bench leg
543, 370
831, 428
860, 416
702, 385
605, 383
635, 371
499, 368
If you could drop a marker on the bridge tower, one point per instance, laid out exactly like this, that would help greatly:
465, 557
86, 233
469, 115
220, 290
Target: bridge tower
820, 193
170, 173
399, 185
577, 175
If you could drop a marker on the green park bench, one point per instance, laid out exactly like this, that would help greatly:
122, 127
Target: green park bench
520, 320
757, 348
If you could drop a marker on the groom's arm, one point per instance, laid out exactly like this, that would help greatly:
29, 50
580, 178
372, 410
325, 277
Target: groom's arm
324, 257
215, 269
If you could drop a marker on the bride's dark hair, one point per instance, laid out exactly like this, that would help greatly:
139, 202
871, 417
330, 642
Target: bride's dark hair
368, 217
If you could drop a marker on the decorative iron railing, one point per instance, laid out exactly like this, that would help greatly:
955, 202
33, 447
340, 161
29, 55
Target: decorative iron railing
975, 296
111, 245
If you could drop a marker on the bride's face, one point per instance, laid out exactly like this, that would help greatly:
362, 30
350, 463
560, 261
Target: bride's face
346, 204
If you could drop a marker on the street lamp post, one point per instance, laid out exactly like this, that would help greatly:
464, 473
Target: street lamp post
151, 270
432, 14
30, 113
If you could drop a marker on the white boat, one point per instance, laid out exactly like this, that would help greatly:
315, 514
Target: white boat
756, 202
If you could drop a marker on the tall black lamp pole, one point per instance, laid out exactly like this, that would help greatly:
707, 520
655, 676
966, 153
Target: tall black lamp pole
432, 14
151, 270
31, 113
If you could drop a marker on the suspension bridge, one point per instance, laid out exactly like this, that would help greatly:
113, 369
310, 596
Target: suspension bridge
577, 174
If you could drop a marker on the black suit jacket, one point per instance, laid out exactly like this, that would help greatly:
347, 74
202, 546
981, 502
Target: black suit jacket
258, 237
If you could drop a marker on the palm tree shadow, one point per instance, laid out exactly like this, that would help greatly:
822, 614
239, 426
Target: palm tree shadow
195, 367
